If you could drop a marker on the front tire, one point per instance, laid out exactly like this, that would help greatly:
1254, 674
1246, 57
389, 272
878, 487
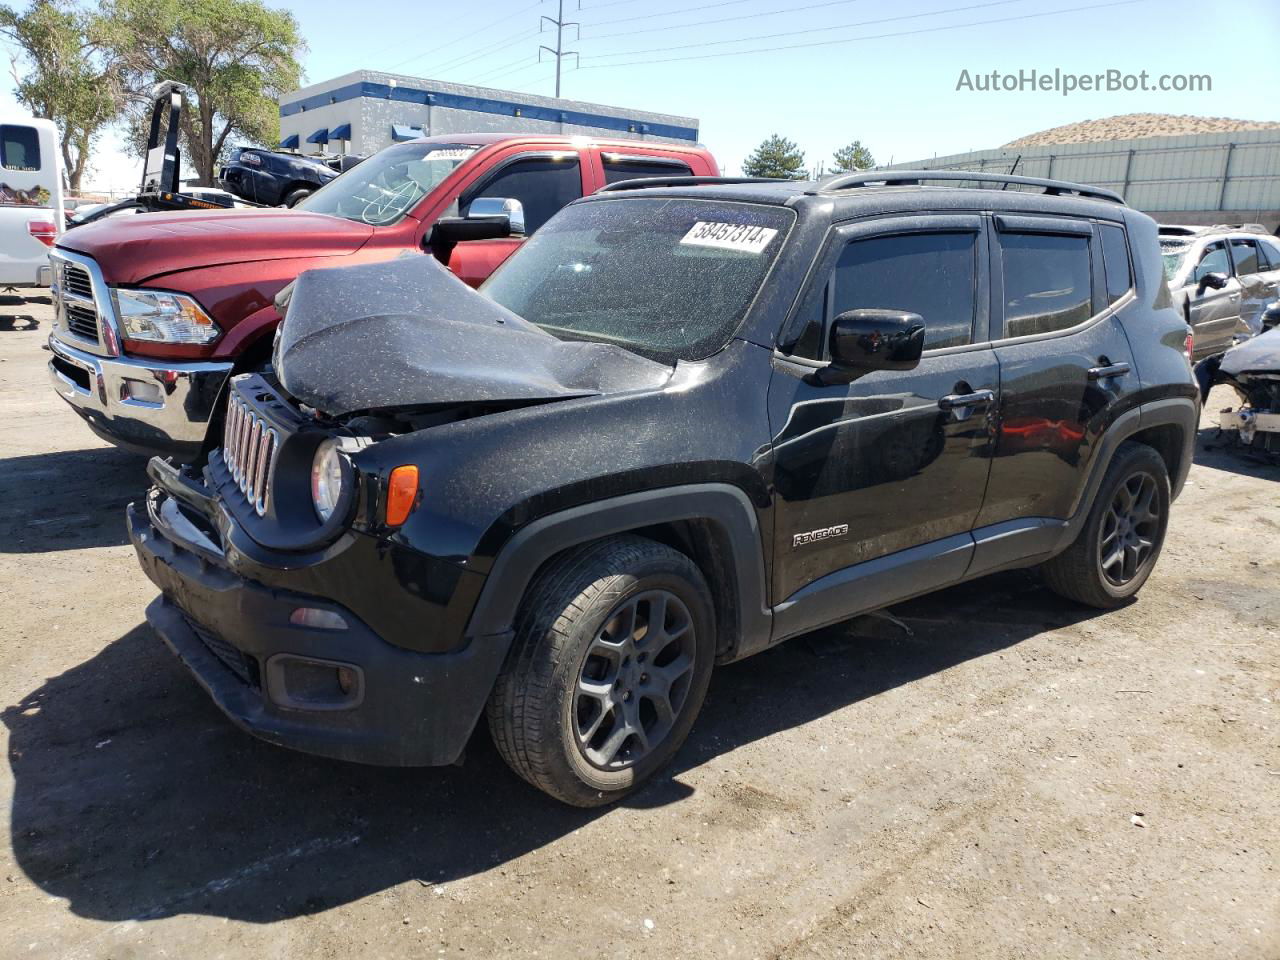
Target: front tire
609, 666
1116, 551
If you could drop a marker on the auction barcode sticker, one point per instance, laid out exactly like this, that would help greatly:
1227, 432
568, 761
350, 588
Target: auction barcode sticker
730, 236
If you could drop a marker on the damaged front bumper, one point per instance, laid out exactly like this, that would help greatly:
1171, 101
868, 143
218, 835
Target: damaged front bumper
1255, 429
294, 668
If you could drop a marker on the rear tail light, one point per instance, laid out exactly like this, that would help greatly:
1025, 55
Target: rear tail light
1189, 345
43, 230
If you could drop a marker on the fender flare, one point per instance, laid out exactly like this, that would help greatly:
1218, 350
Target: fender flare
1182, 412
722, 504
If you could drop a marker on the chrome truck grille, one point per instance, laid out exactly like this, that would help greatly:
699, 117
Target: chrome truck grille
249, 446
75, 300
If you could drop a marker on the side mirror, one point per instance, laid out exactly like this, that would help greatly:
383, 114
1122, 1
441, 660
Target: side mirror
1215, 280
1271, 316
487, 208
866, 340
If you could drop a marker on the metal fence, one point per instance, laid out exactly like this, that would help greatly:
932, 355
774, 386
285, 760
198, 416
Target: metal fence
1233, 172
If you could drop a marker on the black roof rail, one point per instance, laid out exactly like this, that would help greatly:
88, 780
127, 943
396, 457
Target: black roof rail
639, 183
914, 177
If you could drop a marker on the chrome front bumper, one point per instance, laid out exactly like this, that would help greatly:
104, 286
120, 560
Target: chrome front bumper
147, 405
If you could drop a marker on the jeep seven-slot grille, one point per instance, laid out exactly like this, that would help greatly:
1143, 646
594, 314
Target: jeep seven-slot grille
78, 304
249, 446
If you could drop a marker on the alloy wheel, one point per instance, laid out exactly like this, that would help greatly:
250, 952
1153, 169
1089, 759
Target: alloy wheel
1130, 529
634, 679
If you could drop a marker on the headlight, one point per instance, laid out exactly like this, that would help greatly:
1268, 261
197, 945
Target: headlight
163, 317
326, 479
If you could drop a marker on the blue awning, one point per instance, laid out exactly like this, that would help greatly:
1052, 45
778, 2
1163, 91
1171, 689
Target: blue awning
290, 142
320, 136
401, 132
341, 133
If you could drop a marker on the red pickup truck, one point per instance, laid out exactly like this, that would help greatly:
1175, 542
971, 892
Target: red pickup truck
155, 312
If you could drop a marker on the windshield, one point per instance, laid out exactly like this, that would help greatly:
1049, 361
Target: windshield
382, 189
669, 279
1172, 254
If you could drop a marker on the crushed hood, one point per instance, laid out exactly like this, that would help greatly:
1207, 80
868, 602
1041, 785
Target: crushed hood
407, 333
134, 249
1258, 355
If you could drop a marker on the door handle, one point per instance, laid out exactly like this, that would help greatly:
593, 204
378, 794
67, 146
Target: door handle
1111, 370
1233, 296
960, 401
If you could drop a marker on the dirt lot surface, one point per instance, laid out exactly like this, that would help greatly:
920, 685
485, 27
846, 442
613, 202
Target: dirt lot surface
968, 789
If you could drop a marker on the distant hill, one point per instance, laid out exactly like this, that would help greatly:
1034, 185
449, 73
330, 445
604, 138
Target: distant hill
1134, 126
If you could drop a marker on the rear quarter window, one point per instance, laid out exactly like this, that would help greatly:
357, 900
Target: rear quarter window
1115, 259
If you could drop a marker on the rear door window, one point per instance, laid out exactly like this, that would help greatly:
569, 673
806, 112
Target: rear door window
1245, 254
618, 168
1115, 258
932, 274
1047, 282
542, 185
19, 147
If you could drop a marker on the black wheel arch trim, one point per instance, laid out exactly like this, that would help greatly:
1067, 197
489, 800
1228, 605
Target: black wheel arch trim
1180, 412
722, 504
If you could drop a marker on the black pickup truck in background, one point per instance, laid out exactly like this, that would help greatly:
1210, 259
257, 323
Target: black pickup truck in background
278, 179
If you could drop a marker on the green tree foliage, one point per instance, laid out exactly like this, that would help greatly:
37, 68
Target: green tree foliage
236, 56
64, 76
852, 157
776, 157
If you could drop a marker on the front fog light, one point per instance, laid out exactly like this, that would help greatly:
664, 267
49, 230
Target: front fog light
326, 479
161, 317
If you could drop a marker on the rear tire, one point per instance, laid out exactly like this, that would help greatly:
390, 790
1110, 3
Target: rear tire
293, 196
1116, 551
609, 666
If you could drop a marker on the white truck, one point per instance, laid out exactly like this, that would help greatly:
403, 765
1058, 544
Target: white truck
31, 211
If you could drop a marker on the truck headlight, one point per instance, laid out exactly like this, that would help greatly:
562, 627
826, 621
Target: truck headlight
162, 317
326, 479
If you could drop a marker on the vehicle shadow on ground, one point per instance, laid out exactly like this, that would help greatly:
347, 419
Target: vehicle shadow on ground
68, 500
135, 799
1219, 451
18, 321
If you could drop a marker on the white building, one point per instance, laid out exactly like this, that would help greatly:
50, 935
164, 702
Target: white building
363, 111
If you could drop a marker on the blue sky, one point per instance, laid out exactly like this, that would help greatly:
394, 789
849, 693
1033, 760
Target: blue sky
882, 71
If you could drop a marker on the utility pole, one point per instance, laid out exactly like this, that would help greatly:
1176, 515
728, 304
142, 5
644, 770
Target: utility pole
559, 52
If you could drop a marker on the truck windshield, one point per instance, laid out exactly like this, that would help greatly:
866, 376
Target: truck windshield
669, 279
382, 189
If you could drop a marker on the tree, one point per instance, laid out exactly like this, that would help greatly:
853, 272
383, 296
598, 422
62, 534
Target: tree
852, 157
235, 56
776, 157
68, 80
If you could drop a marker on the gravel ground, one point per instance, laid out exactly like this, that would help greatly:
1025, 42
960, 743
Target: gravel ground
1010, 776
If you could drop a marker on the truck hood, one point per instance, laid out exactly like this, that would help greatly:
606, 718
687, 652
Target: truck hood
1259, 355
409, 334
135, 249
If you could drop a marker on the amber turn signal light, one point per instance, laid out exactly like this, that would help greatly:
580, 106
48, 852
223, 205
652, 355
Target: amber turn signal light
402, 491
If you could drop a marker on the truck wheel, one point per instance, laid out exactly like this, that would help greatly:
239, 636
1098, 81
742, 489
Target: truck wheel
293, 196
610, 662
1121, 540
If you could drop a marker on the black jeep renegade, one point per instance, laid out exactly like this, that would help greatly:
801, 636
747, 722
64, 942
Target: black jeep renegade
686, 421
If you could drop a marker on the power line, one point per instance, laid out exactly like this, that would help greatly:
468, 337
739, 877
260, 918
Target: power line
795, 33
461, 61
457, 40
879, 36
673, 13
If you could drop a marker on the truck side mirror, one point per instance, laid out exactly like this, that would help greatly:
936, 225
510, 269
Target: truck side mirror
1215, 280
865, 340
484, 208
